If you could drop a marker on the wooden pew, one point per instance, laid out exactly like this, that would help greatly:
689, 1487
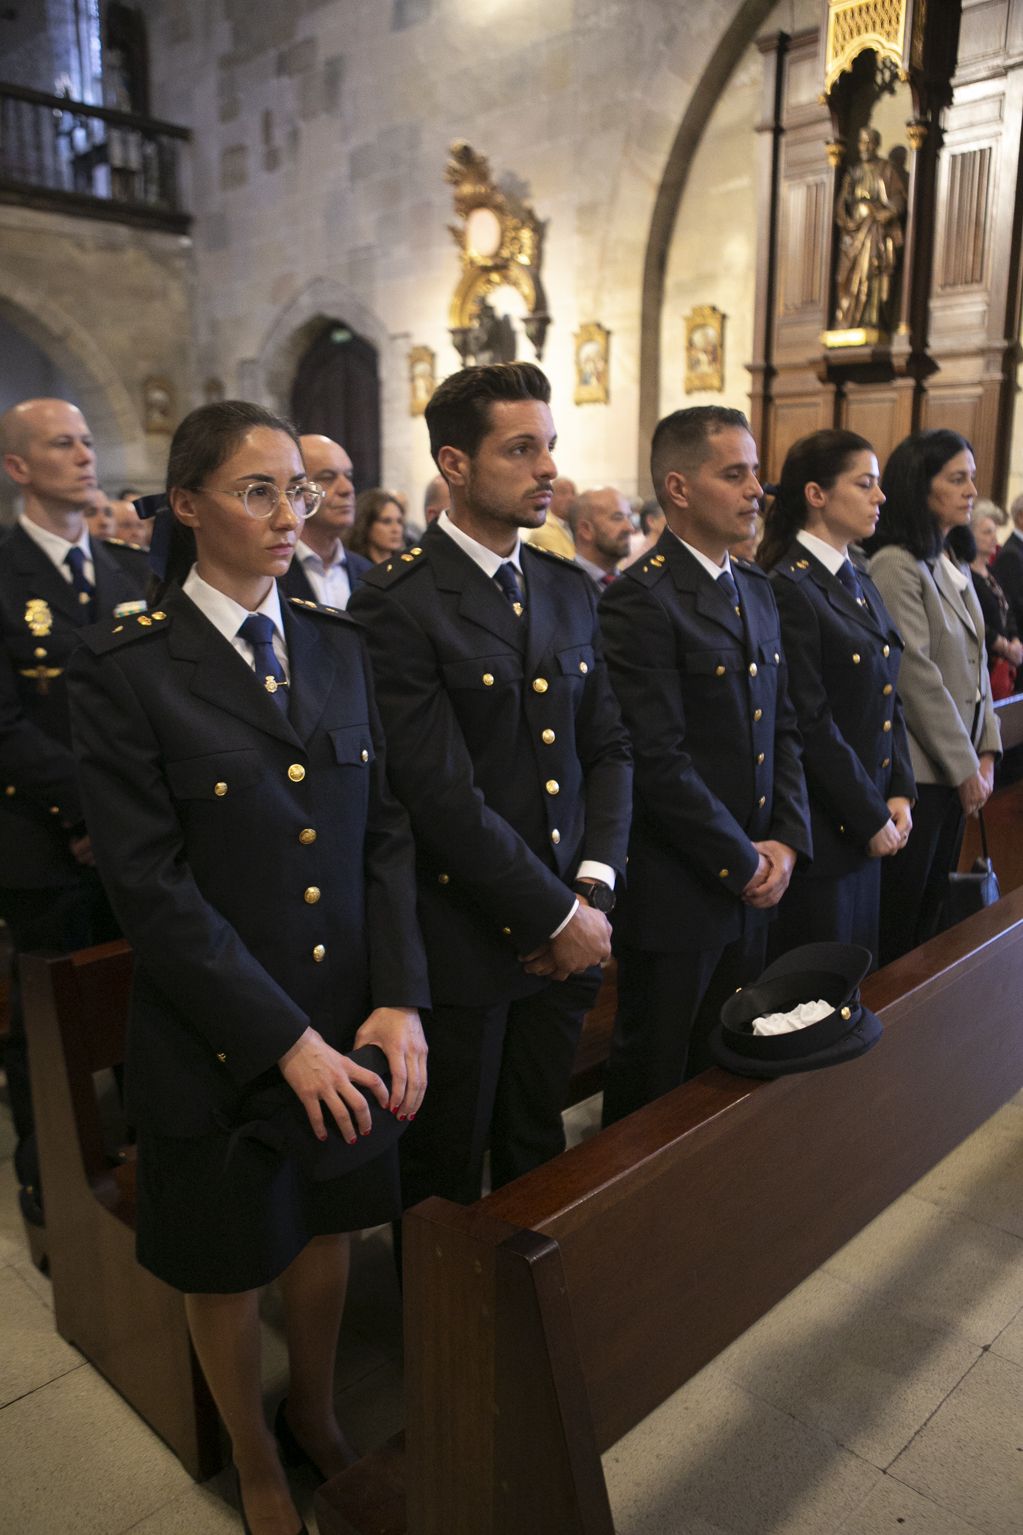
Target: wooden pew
545, 1321
126, 1322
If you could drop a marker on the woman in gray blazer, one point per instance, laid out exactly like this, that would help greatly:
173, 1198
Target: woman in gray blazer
954, 737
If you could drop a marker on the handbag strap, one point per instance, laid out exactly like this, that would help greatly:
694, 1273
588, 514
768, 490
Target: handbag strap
983, 836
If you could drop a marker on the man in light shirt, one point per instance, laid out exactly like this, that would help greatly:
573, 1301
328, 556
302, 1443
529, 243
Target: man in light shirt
602, 526
323, 570
54, 580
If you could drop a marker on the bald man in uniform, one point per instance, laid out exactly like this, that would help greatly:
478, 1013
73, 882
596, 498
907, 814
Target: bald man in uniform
54, 580
323, 570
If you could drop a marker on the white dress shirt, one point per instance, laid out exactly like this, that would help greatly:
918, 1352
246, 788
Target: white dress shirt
831, 558
56, 548
227, 616
331, 583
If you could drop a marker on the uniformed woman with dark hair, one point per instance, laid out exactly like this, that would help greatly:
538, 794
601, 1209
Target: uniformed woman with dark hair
233, 780
843, 652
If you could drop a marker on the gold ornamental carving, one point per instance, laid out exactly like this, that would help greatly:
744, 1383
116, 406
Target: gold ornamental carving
854, 26
500, 243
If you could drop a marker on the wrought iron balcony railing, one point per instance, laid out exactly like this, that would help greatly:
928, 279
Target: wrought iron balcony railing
64, 155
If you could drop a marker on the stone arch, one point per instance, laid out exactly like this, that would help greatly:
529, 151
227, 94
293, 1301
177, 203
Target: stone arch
268, 377
656, 160
101, 392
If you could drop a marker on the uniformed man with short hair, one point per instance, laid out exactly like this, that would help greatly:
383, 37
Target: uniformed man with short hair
54, 580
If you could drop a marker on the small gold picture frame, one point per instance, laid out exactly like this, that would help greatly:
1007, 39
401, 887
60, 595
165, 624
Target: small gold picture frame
422, 378
705, 348
592, 370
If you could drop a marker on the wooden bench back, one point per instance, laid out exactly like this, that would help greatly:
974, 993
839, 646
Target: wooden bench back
545, 1321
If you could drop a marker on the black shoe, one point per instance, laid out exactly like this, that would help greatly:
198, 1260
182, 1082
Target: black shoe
302, 1529
292, 1453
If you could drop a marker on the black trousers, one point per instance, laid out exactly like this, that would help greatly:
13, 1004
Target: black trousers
914, 883
59, 919
667, 1006
842, 908
498, 1075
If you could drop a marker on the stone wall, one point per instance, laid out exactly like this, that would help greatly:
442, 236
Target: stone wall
109, 307
320, 139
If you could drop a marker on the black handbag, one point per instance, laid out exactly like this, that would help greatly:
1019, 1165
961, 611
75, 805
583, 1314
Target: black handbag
973, 891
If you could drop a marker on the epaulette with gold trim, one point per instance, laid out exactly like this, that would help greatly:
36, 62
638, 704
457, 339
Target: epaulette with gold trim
794, 570
124, 543
322, 609
647, 570
552, 554
130, 626
394, 568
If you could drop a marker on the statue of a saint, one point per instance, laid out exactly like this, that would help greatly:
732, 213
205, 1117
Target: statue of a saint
870, 214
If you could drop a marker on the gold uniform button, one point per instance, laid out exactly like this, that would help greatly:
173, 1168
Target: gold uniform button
443, 879
220, 789
548, 737
296, 772
142, 619
762, 801
319, 954
311, 895
760, 759
722, 874
841, 830
846, 1013
886, 761
364, 755
886, 650
506, 931
583, 667
160, 615
221, 1056
886, 726
856, 658
540, 684
488, 679
10, 790
753, 668
886, 690
555, 836
40, 655
719, 671
55, 810
758, 715
552, 786
307, 836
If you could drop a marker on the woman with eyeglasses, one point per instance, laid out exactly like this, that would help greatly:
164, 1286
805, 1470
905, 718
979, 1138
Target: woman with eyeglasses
233, 778
954, 738
378, 531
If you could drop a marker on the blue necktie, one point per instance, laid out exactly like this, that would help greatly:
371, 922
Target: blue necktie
75, 560
507, 580
851, 581
258, 630
727, 584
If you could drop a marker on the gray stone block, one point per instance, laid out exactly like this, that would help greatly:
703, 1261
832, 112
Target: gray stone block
234, 166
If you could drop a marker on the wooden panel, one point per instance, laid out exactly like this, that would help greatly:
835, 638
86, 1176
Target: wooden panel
873, 410
963, 249
884, 1120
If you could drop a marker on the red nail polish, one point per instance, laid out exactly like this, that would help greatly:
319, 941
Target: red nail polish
352, 1142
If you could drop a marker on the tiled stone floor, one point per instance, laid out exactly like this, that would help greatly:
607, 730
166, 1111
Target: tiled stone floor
884, 1397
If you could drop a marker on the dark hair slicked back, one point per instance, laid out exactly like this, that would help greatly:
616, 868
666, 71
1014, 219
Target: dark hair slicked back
681, 441
205, 438
817, 459
458, 412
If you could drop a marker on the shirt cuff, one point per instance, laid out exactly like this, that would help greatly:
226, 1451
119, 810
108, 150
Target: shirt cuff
562, 925
591, 869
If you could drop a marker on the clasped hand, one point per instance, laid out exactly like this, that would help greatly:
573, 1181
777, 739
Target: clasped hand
323, 1078
585, 940
771, 880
